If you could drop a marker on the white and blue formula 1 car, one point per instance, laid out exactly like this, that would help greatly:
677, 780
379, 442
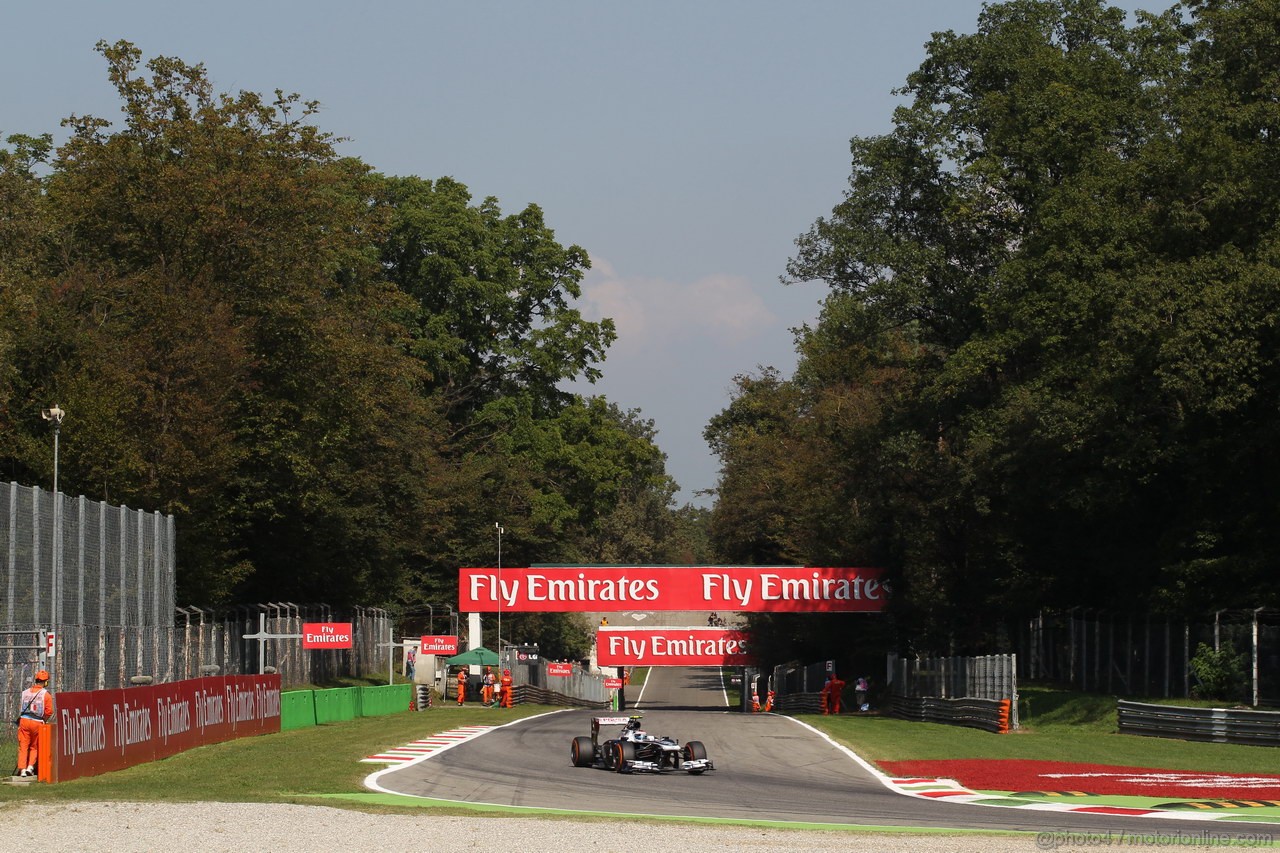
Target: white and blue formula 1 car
634, 750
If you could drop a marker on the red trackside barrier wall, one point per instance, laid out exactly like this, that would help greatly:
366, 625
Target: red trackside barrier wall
102, 730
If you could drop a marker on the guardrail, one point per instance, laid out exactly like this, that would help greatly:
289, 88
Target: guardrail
804, 703
528, 694
991, 715
1215, 725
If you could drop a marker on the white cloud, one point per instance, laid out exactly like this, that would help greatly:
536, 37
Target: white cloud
679, 345
653, 312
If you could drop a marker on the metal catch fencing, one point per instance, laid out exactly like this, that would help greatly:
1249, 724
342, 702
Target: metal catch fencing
200, 642
580, 688
100, 580
265, 637
89, 582
797, 687
73, 561
981, 677
1150, 656
979, 691
794, 678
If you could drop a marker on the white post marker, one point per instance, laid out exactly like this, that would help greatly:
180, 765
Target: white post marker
262, 636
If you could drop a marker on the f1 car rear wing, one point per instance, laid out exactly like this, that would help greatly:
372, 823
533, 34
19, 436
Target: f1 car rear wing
597, 722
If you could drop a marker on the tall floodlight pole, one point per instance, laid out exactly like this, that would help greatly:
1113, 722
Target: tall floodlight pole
54, 416
498, 527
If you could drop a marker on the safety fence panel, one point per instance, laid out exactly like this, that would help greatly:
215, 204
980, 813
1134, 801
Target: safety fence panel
303, 708
336, 705
103, 730
387, 699
297, 709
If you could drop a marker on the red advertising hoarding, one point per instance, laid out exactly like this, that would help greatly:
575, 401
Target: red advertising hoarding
613, 684
560, 669
438, 644
672, 647
756, 589
103, 730
326, 635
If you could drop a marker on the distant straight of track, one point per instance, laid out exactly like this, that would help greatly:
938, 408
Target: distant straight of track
768, 768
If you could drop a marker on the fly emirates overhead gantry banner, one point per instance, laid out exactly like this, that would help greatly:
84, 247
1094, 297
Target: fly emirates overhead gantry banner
594, 589
673, 647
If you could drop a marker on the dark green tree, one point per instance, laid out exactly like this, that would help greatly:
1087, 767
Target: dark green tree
1042, 370
212, 259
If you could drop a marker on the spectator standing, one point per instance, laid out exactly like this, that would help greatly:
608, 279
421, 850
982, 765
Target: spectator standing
860, 692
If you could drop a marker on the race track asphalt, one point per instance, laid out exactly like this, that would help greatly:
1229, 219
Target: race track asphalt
768, 768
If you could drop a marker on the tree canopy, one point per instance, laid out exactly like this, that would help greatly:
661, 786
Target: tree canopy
337, 380
1045, 372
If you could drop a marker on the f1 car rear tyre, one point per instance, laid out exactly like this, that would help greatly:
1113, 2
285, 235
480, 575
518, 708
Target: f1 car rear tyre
583, 753
623, 752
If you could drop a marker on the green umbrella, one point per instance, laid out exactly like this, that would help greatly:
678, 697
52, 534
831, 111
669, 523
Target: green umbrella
479, 656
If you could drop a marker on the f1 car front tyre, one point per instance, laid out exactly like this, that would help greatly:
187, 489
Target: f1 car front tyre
624, 752
582, 754
693, 751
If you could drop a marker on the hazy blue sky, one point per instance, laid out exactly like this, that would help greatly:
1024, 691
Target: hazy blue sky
685, 145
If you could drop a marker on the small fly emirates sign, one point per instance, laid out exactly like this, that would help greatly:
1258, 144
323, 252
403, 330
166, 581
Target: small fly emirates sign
326, 635
438, 644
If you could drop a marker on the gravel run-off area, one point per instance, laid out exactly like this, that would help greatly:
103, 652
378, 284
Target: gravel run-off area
228, 827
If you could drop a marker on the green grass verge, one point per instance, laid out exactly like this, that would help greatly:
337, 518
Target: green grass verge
1057, 725
289, 767
732, 691
297, 766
